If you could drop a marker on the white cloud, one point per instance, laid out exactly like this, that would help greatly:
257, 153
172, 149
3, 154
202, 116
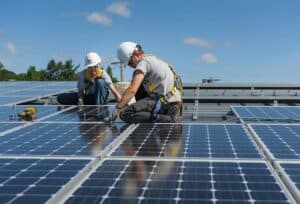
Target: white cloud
11, 48
98, 18
119, 8
227, 44
198, 42
208, 58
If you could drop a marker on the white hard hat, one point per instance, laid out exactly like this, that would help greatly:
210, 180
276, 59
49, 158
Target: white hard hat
125, 51
92, 59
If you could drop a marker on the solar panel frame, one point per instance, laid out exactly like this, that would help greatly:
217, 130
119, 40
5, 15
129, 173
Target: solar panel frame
289, 179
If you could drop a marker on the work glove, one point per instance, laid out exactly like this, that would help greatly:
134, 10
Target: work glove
80, 101
113, 116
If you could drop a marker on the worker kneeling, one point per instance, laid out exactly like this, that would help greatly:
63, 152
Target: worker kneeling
161, 101
93, 85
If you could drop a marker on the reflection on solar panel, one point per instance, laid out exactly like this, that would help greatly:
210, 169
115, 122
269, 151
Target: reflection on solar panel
13, 92
189, 140
83, 113
58, 139
293, 172
9, 113
35, 180
142, 181
283, 141
268, 112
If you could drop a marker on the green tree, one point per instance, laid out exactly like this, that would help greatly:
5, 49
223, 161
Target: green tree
22, 77
33, 74
43, 75
1, 65
60, 71
6, 74
109, 72
51, 70
68, 71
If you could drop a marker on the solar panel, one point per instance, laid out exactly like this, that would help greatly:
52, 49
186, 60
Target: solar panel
268, 112
189, 140
11, 99
83, 113
146, 181
8, 126
282, 140
35, 180
58, 139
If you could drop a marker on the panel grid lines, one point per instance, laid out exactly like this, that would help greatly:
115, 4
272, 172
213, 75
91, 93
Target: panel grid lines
186, 140
141, 181
58, 139
35, 180
261, 113
282, 140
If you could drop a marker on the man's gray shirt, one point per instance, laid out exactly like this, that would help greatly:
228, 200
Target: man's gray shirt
158, 77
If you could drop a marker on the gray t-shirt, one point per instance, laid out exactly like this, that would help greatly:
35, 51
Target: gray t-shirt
158, 77
82, 84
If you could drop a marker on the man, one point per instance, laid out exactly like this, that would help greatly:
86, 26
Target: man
93, 85
162, 101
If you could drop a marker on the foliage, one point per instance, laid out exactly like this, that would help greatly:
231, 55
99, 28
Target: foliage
6, 74
109, 72
55, 71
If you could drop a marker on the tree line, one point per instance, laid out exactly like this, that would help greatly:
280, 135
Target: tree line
55, 71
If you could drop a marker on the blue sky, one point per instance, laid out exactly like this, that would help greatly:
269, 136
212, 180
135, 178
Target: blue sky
233, 40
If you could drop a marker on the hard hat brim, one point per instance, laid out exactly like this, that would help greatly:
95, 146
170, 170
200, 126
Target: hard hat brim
91, 65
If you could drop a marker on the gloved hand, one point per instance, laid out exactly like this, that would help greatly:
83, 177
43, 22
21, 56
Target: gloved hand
114, 115
80, 101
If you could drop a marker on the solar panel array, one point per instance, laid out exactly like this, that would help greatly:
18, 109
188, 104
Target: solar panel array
68, 155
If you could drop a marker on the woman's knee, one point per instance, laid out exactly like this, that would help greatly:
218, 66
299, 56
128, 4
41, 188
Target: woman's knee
100, 82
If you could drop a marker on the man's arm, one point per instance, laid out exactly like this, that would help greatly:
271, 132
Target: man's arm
132, 89
115, 92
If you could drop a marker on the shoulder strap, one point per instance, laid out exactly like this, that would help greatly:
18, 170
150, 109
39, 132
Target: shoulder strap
99, 73
177, 80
